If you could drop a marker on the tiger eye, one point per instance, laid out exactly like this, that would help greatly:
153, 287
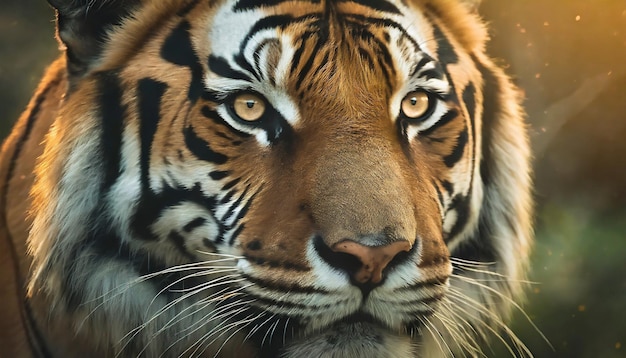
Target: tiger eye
415, 105
249, 107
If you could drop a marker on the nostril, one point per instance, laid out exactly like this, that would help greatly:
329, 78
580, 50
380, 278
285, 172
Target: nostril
365, 264
374, 259
339, 260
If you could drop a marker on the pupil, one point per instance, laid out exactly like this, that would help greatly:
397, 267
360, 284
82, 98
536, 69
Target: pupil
413, 101
250, 104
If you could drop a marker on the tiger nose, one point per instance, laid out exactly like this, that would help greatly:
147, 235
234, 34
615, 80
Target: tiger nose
373, 259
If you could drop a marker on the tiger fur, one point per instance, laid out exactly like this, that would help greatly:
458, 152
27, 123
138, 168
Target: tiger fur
239, 178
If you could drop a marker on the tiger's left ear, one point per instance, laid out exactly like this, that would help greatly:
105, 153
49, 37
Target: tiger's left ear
82, 26
472, 5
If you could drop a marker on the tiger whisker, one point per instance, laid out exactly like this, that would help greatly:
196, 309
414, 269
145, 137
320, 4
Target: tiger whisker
510, 301
174, 269
203, 304
221, 331
466, 262
459, 334
229, 337
201, 340
436, 335
463, 299
484, 270
271, 329
220, 281
133, 333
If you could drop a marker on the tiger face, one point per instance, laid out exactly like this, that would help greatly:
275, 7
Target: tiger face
282, 178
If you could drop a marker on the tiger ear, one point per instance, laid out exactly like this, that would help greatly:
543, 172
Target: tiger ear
82, 26
472, 5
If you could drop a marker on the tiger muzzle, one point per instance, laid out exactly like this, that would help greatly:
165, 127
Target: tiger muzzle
366, 211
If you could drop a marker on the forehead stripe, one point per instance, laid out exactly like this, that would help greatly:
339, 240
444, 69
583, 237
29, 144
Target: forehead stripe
379, 5
220, 67
245, 5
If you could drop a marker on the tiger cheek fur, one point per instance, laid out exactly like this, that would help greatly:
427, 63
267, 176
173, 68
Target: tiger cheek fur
282, 178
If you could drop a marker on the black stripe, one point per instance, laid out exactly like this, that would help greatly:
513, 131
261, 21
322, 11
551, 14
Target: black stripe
460, 204
479, 248
230, 184
388, 65
235, 234
439, 195
179, 242
382, 22
112, 114
218, 175
378, 5
445, 51
178, 49
366, 57
233, 206
151, 207
308, 65
260, 261
257, 58
277, 21
201, 149
242, 213
217, 119
459, 149
149, 95
445, 119
430, 74
281, 287
193, 224
492, 108
220, 67
361, 31
228, 196
246, 5
187, 8
435, 281
469, 98
297, 56
423, 62
240, 59
446, 55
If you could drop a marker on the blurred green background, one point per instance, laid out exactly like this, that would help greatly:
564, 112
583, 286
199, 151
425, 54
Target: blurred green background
569, 57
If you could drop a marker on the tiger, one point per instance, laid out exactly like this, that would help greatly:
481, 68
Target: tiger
266, 178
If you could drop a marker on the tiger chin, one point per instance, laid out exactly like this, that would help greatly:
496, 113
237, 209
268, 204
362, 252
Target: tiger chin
239, 178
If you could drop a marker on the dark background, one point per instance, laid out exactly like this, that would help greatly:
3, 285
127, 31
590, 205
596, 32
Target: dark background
569, 57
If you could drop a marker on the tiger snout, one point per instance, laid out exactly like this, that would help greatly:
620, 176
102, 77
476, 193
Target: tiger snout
373, 213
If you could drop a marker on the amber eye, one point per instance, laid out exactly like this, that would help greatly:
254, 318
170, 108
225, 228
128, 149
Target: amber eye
249, 107
416, 105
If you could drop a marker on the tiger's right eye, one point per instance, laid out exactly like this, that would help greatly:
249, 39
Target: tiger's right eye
249, 107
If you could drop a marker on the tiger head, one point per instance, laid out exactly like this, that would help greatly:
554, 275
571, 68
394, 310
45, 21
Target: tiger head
281, 178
